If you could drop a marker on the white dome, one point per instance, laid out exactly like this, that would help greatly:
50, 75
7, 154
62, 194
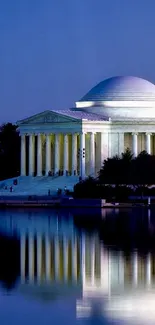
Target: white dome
117, 97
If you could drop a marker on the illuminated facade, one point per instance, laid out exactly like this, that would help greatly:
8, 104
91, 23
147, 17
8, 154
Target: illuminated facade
117, 114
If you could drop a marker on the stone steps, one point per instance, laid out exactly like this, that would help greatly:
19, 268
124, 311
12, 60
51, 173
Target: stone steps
39, 185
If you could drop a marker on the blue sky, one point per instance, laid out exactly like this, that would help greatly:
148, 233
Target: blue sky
53, 51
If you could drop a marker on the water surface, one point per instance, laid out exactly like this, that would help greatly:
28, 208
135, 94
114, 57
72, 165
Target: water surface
79, 267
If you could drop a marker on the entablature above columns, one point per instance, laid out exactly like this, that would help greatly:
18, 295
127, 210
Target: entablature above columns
69, 129
119, 126
134, 128
90, 126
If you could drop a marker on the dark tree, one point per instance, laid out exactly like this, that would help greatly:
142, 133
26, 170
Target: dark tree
116, 174
143, 170
116, 170
86, 189
9, 151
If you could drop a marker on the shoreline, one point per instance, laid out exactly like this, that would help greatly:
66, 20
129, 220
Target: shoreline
59, 202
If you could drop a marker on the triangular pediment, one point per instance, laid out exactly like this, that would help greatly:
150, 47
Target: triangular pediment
47, 117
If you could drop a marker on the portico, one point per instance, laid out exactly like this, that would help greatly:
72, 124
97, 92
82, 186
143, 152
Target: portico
63, 154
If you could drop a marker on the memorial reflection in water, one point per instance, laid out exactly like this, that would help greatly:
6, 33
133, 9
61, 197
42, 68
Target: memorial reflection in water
53, 254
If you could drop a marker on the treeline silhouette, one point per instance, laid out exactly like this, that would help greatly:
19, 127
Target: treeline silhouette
120, 177
9, 151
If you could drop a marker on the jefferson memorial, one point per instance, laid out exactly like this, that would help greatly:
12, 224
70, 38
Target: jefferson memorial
116, 114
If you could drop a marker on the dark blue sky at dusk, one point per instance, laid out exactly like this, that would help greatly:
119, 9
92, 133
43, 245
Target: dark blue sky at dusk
53, 51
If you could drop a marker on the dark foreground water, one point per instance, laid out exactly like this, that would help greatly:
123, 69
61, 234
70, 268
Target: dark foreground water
81, 267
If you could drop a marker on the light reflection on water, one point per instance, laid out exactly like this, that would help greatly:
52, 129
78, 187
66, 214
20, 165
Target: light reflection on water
45, 258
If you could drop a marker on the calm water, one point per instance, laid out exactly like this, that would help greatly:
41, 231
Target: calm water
73, 268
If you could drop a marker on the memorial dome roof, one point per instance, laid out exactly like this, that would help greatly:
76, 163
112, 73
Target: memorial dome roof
120, 98
121, 88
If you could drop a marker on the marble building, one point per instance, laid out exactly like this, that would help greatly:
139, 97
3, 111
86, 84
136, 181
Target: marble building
116, 114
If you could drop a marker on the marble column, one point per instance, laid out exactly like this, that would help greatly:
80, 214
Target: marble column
47, 258
148, 269
65, 258
39, 256
121, 268
66, 153
93, 261
82, 155
104, 270
23, 156
39, 155
148, 142
56, 257
110, 259
135, 268
48, 154
31, 256
135, 144
83, 258
120, 144
92, 153
104, 147
74, 259
74, 154
22, 256
57, 154
31, 154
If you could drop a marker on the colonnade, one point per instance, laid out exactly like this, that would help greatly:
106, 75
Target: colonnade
49, 258
77, 154
74, 156
114, 269
61, 258
75, 259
